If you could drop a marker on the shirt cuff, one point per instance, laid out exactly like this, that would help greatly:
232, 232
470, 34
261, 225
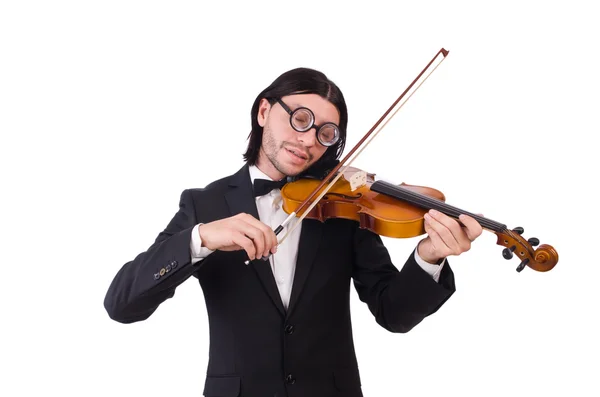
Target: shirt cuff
197, 251
433, 269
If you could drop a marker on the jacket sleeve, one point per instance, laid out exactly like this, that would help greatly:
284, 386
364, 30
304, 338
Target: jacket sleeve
399, 300
142, 284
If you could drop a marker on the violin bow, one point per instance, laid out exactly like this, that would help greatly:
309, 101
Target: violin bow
542, 259
346, 162
311, 204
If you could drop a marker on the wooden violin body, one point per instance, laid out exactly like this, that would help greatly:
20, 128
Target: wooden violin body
398, 211
380, 213
394, 210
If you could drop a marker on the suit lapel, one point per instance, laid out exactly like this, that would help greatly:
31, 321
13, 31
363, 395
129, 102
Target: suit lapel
310, 238
241, 199
239, 196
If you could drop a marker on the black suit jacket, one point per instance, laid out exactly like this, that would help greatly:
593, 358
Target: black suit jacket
257, 348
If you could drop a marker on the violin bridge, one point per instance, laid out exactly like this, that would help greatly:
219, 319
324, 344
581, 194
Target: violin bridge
358, 179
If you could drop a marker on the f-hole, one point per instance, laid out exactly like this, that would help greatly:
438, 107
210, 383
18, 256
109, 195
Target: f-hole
345, 196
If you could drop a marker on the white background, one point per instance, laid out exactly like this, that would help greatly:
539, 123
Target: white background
108, 110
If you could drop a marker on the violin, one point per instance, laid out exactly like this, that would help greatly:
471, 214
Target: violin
397, 211
394, 210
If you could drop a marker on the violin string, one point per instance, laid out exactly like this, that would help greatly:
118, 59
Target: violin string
448, 209
431, 202
341, 172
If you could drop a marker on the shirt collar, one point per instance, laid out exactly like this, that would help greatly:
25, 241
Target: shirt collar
256, 173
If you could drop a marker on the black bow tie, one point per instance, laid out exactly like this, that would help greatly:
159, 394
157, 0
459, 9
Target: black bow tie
264, 186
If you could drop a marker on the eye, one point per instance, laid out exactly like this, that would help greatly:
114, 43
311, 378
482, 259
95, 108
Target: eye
329, 134
302, 119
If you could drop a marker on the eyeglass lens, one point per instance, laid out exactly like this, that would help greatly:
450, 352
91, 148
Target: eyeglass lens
303, 120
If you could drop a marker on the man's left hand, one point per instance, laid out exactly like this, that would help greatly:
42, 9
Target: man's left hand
446, 236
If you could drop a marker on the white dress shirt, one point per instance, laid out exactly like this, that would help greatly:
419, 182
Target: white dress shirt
283, 262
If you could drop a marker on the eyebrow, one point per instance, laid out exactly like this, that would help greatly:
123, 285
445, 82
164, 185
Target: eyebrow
294, 105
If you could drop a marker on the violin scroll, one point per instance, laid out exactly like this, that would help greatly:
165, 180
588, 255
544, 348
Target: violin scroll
542, 259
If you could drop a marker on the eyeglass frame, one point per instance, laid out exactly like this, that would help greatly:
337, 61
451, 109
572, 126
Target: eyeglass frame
313, 125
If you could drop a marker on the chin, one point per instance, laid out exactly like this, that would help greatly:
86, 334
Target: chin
293, 170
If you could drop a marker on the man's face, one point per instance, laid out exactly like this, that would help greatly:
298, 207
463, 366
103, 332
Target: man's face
285, 151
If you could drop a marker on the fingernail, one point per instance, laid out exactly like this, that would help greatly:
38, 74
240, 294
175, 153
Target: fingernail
433, 212
427, 217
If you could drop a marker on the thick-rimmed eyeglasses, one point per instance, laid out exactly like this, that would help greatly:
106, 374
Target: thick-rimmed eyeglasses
303, 119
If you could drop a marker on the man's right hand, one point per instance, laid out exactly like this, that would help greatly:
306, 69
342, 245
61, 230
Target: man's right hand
241, 231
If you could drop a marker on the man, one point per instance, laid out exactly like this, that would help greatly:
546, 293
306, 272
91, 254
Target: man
281, 327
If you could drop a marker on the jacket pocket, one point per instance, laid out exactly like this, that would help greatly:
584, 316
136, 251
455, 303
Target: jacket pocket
222, 386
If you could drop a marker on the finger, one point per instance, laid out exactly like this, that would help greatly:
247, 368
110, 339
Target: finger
269, 237
258, 238
472, 228
255, 234
474, 217
245, 243
437, 244
450, 223
443, 226
458, 232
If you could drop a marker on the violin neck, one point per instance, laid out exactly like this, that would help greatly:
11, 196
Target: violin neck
428, 203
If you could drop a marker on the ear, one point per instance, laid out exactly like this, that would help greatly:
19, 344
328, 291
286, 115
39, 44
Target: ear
264, 108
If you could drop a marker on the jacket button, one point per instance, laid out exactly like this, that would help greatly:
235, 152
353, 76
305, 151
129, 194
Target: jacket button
289, 329
290, 379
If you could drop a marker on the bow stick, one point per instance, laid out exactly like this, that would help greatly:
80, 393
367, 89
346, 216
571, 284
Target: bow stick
311, 204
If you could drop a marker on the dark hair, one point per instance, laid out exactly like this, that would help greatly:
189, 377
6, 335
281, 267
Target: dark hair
299, 81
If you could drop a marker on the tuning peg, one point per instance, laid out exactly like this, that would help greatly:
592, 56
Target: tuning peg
533, 241
522, 265
507, 253
518, 230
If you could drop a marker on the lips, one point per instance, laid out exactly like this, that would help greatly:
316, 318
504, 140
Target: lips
298, 154
296, 157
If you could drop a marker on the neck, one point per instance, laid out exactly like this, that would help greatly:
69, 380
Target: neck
428, 202
265, 165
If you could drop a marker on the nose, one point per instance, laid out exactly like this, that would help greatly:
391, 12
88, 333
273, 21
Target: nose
308, 138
